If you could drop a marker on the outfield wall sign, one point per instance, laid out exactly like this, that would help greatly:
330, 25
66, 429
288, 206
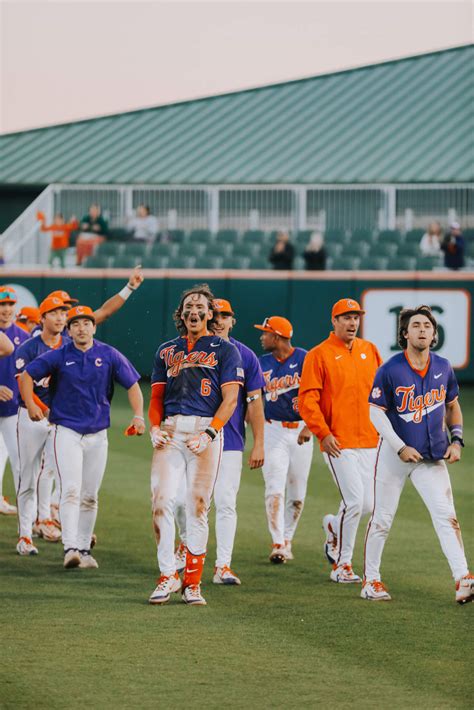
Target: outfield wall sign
451, 307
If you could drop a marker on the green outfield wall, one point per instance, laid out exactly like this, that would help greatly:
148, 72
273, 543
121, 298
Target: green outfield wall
306, 299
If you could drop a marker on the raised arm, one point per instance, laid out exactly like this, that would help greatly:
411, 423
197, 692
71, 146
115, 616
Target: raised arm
115, 303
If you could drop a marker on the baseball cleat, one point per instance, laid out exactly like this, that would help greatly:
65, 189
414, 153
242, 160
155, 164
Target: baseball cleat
72, 558
375, 591
277, 555
288, 551
465, 589
35, 531
330, 543
5, 507
48, 530
54, 513
224, 575
87, 561
192, 595
344, 574
180, 557
25, 547
165, 588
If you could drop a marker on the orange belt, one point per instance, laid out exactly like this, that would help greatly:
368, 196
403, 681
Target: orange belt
286, 425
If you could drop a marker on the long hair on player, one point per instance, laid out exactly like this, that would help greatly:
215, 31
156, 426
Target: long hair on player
202, 290
404, 319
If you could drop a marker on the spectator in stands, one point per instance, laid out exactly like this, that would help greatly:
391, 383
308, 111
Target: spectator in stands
430, 244
283, 253
94, 230
60, 236
144, 225
453, 247
315, 253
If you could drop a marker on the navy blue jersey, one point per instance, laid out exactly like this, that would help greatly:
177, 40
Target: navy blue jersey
416, 405
82, 384
26, 353
194, 378
234, 430
282, 383
8, 370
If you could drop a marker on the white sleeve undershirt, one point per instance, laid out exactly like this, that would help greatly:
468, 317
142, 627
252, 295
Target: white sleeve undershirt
384, 427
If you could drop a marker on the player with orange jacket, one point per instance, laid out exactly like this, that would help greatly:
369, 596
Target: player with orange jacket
333, 400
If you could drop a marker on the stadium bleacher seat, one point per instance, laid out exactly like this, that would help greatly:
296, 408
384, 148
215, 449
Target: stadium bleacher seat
389, 236
468, 233
177, 236
254, 236
362, 235
413, 236
109, 249
427, 263
470, 249
303, 236
373, 263
208, 262
409, 249
402, 263
180, 262
163, 249
259, 262
227, 236
334, 234
299, 264
124, 261
236, 262
134, 249
200, 236
345, 263
97, 262
118, 234
155, 262
333, 250
191, 249
219, 249
247, 250
385, 250
358, 249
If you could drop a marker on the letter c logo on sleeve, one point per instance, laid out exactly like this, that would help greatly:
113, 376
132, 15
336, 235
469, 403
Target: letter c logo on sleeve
98, 362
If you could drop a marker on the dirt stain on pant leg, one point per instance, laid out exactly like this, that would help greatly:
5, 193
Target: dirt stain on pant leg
89, 503
297, 509
457, 529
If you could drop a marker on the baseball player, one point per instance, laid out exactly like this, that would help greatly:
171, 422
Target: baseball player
336, 381
9, 395
28, 318
195, 386
413, 402
230, 470
82, 375
288, 442
33, 435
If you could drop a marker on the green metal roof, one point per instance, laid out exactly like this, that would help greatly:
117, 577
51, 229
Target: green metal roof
408, 120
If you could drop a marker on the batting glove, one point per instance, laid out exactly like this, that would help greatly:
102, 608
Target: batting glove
159, 438
201, 441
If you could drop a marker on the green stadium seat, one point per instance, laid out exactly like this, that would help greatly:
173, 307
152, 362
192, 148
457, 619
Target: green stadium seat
109, 249
362, 235
384, 250
373, 263
427, 263
177, 236
97, 262
180, 262
124, 261
359, 249
409, 249
163, 249
219, 250
227, 236
254, 236
200, 236
299, 264
389, 236
470, 249
118, 234
335, 235
155, 262
259, 262
402, 263
468, 234
345, 263
303, 236
191, 249
414, 236
333, 250
208, 262
247, 250
236, 262
134, 249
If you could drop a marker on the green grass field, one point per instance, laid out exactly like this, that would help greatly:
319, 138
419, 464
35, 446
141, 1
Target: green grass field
286, 638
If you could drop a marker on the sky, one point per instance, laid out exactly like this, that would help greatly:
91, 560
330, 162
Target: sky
64, 60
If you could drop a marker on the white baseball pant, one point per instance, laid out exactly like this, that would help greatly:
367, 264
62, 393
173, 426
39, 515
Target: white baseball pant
286, 469
32, 437
431, 480
3, 460
169, 465
353, 474
46, 481
8, 431
80, 463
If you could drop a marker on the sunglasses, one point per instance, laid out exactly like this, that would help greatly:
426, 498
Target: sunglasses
7, 296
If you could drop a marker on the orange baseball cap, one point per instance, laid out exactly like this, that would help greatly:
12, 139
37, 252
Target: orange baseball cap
63, 295
7, 295
29, 313
51, 304
346, 305
80, 312
222, 306
277, 325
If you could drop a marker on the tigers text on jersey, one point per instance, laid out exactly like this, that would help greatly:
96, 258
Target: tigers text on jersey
8, 370
193, 377
82, 384
282, 382
234, 430
416, 405
27, 352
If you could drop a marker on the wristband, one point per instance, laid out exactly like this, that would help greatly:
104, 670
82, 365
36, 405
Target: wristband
457, 439
126, 292
137, 416
252, 398
211, 432
216, 424
402, 449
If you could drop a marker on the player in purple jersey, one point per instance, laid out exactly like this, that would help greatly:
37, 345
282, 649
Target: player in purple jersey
228, 478
413, 400
195, 384
34, 435
288, 441
82, 374
9, 395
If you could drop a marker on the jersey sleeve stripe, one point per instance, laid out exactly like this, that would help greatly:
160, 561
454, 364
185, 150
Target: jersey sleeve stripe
384, 409
236, 382
158, 383
453, 400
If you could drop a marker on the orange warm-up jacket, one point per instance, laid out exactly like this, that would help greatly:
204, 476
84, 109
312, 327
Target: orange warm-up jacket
334, 391
61, 233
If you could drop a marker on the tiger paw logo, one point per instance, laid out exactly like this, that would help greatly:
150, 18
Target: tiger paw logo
376, 393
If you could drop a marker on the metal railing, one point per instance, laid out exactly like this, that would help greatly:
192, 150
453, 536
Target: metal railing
22, 242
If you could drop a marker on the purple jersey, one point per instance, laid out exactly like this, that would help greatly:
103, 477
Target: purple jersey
415, 405
193, 378
26, 353
82, 384
282, 383
234, 430
8, 370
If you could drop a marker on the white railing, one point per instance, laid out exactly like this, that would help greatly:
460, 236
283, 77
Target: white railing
22, 242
